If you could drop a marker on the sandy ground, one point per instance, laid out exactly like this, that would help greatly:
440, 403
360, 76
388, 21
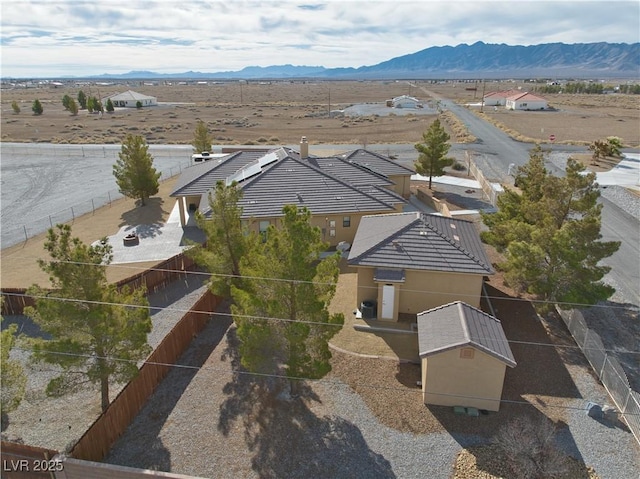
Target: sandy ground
19, 268
282, 112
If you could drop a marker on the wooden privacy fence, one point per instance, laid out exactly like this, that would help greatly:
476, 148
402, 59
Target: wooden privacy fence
20, 461
14, 299
100, 437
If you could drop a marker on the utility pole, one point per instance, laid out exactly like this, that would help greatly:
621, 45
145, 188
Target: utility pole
482, 99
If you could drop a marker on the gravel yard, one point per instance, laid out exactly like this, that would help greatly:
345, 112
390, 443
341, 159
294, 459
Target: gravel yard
366, 419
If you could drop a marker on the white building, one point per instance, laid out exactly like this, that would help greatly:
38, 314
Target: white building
526, 101
498, 98
130, 99
406, 101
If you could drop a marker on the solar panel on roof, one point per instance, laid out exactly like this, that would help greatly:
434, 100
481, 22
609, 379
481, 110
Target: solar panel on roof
268, 159
244, 173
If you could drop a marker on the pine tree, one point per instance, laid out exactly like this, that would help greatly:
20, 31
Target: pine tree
97, 332
72, 107
302, 285
550, 235
433, 152
82, 100
227, 240
135, 175
109, 106
37, 107
202, 139
65, 101
13, 378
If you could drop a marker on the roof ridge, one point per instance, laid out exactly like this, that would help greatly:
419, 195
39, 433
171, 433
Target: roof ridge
212, 165
458, 246
378, 155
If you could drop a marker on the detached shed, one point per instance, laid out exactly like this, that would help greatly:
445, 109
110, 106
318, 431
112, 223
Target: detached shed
464, 355
406, 101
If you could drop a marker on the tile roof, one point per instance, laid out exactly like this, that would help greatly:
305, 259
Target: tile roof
291, 180
350, 172
525, 96
199, 178
376, 162
130, 95
502, 93
419, 241
457, 325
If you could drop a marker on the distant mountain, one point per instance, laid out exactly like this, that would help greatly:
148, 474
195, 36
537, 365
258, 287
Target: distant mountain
480, 60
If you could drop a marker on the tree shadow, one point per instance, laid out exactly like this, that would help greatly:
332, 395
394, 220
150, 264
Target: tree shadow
286, 438
146, 220
144, 432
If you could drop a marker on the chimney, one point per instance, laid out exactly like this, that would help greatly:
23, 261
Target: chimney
304, 148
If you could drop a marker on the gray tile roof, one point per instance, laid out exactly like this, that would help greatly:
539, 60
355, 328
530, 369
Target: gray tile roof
352, 173
198, 179
419, 241
291, 180
376, 162
459, 324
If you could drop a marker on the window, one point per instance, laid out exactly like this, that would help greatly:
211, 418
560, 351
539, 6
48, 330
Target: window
332, 224
264, 226
346, 221
332, 233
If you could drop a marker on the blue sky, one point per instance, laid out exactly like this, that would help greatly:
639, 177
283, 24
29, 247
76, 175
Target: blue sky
48, 38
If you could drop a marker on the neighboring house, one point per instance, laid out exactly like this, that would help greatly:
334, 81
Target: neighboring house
406, 101
498, 98
130, 99
526, 101
410, 262
336, 191
464, 354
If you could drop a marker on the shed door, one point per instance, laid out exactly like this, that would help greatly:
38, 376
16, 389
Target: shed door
388, 300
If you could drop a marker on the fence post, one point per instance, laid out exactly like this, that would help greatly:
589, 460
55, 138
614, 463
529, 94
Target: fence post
25, 232
93, 207
73, 215
50, 222
604, 363
109, 193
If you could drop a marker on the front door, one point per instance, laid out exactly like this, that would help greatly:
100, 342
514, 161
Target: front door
388, 301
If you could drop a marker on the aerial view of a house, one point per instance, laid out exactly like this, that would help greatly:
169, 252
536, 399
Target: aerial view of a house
338, 190
411, 262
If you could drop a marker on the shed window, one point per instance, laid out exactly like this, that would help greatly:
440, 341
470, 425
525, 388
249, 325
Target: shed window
346, 221
466, 353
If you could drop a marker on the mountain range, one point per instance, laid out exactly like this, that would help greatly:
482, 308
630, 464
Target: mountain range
480, 60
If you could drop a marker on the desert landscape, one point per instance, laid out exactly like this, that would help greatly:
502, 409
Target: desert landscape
280, 112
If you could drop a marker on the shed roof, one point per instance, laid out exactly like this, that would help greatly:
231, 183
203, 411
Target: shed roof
419, 241
525, 96
458, 324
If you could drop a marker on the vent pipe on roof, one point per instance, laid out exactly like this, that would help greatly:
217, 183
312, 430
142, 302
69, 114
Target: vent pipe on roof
304, 148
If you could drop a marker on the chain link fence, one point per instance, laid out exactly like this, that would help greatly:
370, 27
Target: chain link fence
18, 233
608, 369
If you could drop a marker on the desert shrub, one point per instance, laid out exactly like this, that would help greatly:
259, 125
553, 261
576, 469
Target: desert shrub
457, 166
262, 139
530, 448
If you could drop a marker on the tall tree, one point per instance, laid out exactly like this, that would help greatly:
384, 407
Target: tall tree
37, 107
433, 151
135, 175
227, 239
550, 235
72, 107
82, 100
13, 378
201, 139
15, 107
97, 332
297, 294
65, 101
109, 106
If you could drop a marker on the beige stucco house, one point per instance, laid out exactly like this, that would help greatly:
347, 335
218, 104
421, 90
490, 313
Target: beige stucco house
464, 355
411, 262
130, 99
526, 101
338, 191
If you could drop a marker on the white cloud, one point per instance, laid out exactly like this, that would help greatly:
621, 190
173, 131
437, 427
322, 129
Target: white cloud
49, 38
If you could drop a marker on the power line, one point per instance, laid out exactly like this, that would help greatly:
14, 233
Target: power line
284, 320
422, 291
324, 381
